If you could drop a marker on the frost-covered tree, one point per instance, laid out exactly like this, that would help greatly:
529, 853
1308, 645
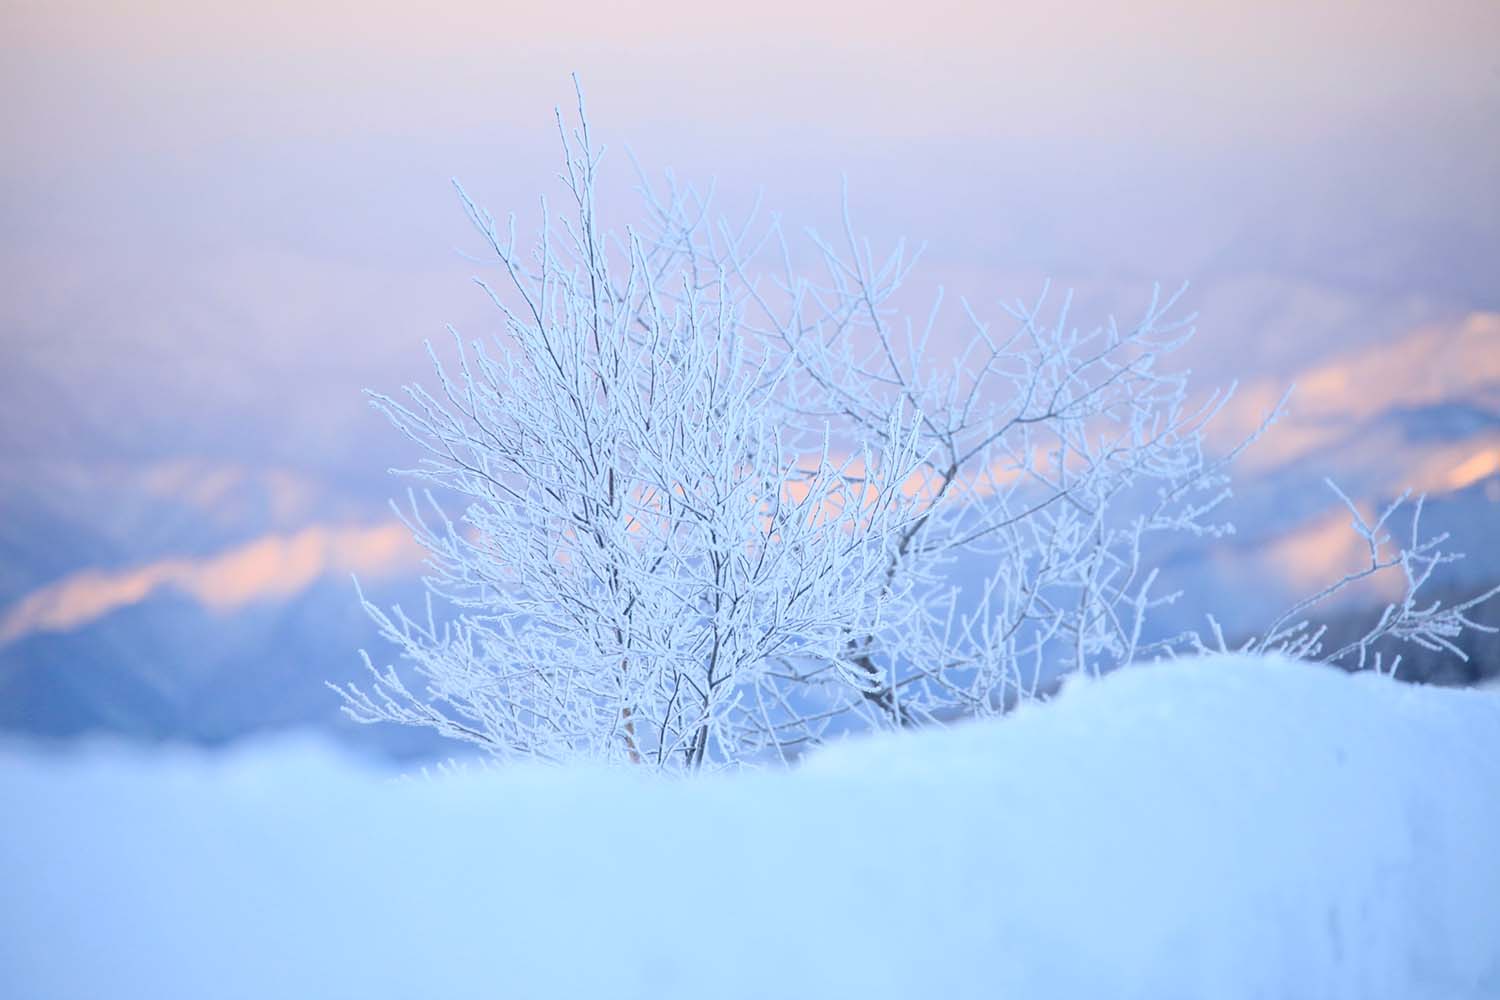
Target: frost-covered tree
715, 500
644, 545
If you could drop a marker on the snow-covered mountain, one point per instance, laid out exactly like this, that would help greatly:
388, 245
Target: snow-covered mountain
169, 663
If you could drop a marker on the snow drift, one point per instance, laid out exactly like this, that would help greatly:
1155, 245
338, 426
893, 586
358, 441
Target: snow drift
1218, 828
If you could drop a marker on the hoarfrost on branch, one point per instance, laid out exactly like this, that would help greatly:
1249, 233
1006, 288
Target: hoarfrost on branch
714, 497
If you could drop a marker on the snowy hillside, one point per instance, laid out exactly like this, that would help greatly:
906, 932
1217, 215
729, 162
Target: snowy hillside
1223, 828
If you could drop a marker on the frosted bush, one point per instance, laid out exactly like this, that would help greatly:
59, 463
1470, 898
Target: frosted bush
711, 499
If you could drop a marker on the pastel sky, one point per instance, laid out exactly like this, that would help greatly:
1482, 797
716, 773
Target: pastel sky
220, 222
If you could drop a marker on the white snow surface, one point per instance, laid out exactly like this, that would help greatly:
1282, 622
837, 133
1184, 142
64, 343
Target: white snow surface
1218, 828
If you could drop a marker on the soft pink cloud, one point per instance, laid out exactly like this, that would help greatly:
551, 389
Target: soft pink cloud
274, 567
1433, 364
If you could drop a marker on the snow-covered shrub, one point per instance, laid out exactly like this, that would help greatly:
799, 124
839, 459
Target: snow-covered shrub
713, 499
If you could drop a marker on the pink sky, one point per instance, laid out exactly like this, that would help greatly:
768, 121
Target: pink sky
220, 222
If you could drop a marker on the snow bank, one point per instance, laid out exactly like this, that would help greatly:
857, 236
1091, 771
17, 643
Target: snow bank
1222, 828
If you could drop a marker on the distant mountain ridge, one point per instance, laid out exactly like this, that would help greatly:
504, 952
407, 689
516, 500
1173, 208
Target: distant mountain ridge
167, 668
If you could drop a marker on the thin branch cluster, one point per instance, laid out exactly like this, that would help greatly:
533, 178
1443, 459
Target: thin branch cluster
715, 499
1426, 624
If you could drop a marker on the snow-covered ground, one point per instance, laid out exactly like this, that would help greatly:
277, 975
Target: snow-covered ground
1222, 828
